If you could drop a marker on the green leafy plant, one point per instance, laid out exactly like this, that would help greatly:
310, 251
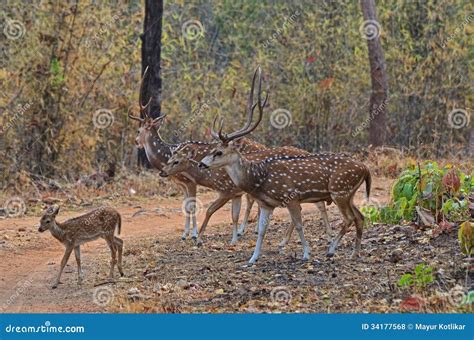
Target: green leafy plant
57, 73
421, 277
443, 191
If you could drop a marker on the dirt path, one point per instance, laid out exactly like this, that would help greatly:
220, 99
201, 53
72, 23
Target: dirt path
29, 260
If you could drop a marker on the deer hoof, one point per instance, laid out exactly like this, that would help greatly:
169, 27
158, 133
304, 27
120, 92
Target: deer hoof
330, 254
54, 286
355, 255
194, 238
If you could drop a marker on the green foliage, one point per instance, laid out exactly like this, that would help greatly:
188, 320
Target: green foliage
57, 73
421, 277
428, 192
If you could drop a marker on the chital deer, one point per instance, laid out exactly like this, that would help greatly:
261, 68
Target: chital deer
289, 181
186, 159
99, 223
217, 180
158, 152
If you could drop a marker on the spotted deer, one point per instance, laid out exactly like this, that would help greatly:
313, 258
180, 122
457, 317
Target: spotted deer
216, 179
103, 222
158, 153
290, 180
186, 159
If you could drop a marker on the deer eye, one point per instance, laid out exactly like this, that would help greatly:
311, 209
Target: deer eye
175, 162
218, 153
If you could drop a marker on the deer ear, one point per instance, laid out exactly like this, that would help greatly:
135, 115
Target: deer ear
55, 209
238, 144
52, 210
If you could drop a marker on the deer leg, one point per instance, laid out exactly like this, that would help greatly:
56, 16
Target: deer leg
187, 214
359, 222
258, 219
264, 219
245, 221
287, 236
113, 260
288, 233
236, 204
324, 215
348, 216
192, 192
295, 213
216, 205
119, 246
66, 255
80, 274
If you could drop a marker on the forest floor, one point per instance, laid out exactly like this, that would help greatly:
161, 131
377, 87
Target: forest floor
166, 275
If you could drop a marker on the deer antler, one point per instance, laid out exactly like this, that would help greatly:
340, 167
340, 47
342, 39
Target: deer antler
141, 120
219, 134
250, 110
143, 108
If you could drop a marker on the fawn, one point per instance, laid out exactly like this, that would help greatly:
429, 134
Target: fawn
101, 222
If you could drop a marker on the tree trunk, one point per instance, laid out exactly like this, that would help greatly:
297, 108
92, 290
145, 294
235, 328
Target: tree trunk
379, 96
151, 57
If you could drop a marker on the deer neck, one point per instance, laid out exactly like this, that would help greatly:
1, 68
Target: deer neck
58, 232
245, 174
193, 171
157, 151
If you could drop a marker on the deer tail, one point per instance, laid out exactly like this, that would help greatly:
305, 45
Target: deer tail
119, 224
368, 184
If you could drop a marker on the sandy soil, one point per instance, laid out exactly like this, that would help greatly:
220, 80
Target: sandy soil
30, 260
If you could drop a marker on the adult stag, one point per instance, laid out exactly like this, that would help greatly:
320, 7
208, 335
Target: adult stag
289, 181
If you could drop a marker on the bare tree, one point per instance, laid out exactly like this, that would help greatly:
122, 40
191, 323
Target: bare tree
379, 96
151, 57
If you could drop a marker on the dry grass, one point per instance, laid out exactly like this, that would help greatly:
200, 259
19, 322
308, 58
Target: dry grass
174, 277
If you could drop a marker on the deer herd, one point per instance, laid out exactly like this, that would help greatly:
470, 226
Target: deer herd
233, 166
